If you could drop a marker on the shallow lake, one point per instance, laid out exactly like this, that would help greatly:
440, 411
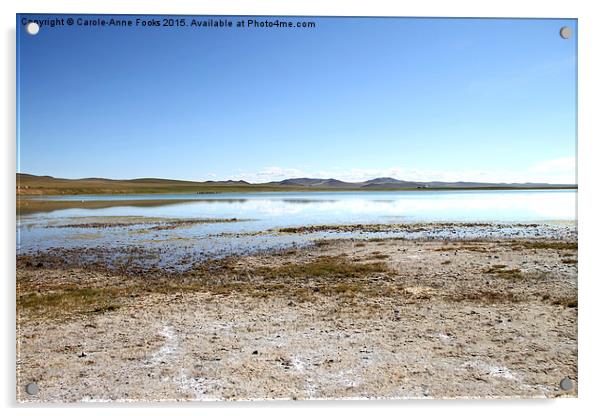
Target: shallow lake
295, 208
267, 211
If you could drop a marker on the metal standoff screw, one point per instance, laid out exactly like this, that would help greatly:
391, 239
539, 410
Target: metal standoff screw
565, 32
32, 28
566, 384
32, 389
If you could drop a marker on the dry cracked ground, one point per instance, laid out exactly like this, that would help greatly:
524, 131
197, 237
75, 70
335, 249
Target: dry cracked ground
381, 318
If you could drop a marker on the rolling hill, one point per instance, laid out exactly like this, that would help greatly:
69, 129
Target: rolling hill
47, 185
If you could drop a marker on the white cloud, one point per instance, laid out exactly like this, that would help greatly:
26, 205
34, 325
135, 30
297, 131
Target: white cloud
560, 170
271, 173
563, 170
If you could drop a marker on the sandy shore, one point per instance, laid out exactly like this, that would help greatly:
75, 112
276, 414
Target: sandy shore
386, 318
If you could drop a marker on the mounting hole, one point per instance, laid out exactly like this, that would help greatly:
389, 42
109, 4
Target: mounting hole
32, 389
566, 384
32, 28
565, 32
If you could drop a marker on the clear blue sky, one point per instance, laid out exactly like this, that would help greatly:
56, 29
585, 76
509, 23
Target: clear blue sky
427, 99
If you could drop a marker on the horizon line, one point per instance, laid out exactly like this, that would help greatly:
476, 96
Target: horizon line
293, 178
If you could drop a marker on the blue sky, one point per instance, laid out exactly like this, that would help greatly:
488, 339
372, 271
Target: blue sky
352, 98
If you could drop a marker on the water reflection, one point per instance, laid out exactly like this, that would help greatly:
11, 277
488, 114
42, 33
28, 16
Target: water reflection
37, 226
326, 207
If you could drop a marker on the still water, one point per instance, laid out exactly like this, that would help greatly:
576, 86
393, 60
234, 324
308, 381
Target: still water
267, 211
296, 208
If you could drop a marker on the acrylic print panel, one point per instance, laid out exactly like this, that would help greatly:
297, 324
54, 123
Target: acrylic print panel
231, 208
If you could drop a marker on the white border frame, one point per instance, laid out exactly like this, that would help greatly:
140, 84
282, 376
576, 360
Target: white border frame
590, 27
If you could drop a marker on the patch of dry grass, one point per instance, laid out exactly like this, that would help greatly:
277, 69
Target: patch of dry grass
352, 228
322, 243
325, 267
294, 275
544, 245
377, 255
173, 224
323, 276
71, 301
567, 301
155, 225
464, 246
487, 297
501, 270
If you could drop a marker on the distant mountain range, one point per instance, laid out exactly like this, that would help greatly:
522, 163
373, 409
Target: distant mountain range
48, 185
389, 183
